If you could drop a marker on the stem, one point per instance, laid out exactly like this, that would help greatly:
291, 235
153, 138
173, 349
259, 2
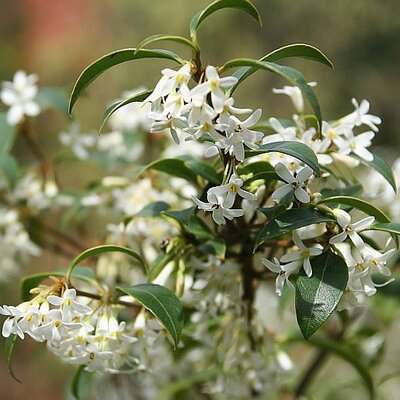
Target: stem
98, 297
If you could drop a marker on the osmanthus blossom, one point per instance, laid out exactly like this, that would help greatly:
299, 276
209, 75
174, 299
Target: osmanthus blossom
20, 95
229, 109
350, 230
360, 116
357, 145
336, 133
80, 143
294, 183
283, 271
282, 132
175, 124
303, 254
239, 135
216, 86
295, 95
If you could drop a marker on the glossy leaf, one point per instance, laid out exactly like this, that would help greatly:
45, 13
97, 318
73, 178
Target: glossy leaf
31, 281
317, 296
161, 302
300, 50
393, 228
216, 247
7, 134
53, 98
9, 348
352, 190
97, 250
173, 166
295, 149
138, 98
255, 168
153, 209
81, 383
360, 204
9, 168
162, 260
205, 171
292, 75
266, 176
290, 220
381, 166
163, 37
182, 216
242, 5
110, 60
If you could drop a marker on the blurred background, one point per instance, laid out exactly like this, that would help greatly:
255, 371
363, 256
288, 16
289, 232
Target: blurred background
56, 39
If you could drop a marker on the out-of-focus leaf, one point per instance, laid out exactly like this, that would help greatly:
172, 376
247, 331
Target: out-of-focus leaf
243, 5
81, 383
9, 168
165, 306
353, 190
292, 75
54, 98
360, 204
109, 60
7, 134
173, 166
8, 348
216, 247
153, 209
317, 296
204, 170
137, 98
381, 166
290, 220
182, 216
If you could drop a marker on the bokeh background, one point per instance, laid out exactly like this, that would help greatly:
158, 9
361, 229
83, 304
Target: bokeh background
56, 39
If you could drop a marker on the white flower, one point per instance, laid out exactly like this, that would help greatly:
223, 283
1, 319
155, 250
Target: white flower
19, 95
175, 124
226, 194
216, 86
68, 305
350, 230
359, 116
295, 95
79, 142
283, 271
283, 133
303, 253
294, 183
240, 135
357, 145
336, 133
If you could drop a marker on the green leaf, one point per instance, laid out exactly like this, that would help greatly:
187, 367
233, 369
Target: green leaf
292, 75
381, 166
31, 281
182, 216
266, 176
353, 190
318, 296
81, 383
117, 105
106, 248
216, 247
301, 50
8, 349
242, 5
163, 37
205, 171
54, 98
255, 168
360, 204
290, 220
198, 228
173, 166
7, 134
392, 227
295, 149
160, 301
161, 261
153, 209
109, 60
272, 212
9, 168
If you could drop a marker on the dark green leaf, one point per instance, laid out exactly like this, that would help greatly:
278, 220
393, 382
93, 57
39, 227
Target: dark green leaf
292, 75
318, 296
53, 98
137, 98
162, 260
242, 5
216, 247
7, 134
295, 149
9, 168
198, 228
8, 348
182, 216
392, 227
106, 248
31, 281
81, 383
153, 209
109, 60
290, 220
255, 168
272, 212
159, 300
360, 205
381, 166
173, 166
353, 190
266, 176
205, 171
163, 37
